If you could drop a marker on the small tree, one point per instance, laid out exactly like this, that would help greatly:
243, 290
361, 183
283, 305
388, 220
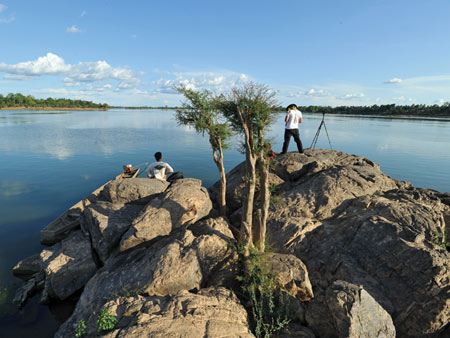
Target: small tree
248, 108
200, 111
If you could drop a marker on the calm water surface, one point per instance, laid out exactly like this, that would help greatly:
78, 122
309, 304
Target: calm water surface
50, 160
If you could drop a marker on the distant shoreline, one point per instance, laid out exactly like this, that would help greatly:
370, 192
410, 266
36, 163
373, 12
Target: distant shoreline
51, 108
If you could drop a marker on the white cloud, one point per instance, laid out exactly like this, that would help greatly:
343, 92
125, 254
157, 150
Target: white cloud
352, 96
315, 92
100, 70
220, 81
2, 7
83, 13
394, 80
73, 29
50, 64
76, 74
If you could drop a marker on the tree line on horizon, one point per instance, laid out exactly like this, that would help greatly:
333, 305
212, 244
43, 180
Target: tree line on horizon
19, 100
384, 109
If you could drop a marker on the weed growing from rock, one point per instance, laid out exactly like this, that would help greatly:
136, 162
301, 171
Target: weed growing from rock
80, 330
266, 305
105, 321
441, 240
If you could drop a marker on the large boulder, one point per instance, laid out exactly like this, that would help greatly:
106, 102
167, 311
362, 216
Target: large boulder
106, 223
353, 313
68, 266
173, 263
183, 204
320, 187
353, 223
213, 312
135, 190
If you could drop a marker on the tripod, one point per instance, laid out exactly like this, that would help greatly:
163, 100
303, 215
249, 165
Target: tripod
316, 137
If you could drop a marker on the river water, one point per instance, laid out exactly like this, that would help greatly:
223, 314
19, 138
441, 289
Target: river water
50, 160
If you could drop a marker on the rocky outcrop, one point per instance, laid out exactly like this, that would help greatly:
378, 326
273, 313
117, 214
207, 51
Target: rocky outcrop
183, 204
213, 312
134, 190
361, 255
346, 220
164, 267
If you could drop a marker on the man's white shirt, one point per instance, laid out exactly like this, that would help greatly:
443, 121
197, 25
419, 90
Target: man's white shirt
158, 170
294, 117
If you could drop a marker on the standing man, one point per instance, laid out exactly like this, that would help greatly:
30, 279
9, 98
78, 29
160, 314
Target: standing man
292, 119
158, 169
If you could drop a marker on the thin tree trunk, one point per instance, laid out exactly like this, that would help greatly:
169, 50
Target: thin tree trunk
264, 198
264, 195
218, 160
245, 236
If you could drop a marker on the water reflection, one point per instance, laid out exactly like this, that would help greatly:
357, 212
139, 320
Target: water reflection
13, 188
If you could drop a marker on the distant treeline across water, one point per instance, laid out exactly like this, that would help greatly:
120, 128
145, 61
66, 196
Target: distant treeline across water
384, 109
22, 101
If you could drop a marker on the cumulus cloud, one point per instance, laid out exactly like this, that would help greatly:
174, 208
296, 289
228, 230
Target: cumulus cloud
50, 64
100, 70
394, 80
195, 80
73, 29
76, 74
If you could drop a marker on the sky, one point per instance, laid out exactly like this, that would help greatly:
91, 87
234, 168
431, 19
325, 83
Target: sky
347, 52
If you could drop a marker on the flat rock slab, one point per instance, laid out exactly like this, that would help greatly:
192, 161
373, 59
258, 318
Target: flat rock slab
135, 190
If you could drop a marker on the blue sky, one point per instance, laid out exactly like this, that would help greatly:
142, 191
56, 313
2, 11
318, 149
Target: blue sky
311, 52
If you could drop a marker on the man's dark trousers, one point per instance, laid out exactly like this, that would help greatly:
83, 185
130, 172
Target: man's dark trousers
287, 137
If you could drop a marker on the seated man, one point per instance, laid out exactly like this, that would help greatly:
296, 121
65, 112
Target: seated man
158, 169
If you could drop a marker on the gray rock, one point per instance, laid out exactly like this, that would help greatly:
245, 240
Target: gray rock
349, 221
183, 204
106, 223
177, 262
356, 314
68, 266
28, 267
136, 190
210, 313
292, 275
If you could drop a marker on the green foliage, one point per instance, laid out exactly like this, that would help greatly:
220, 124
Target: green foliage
267, 306
80, 330
441, 240
19, 100
105, 321
201, 112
